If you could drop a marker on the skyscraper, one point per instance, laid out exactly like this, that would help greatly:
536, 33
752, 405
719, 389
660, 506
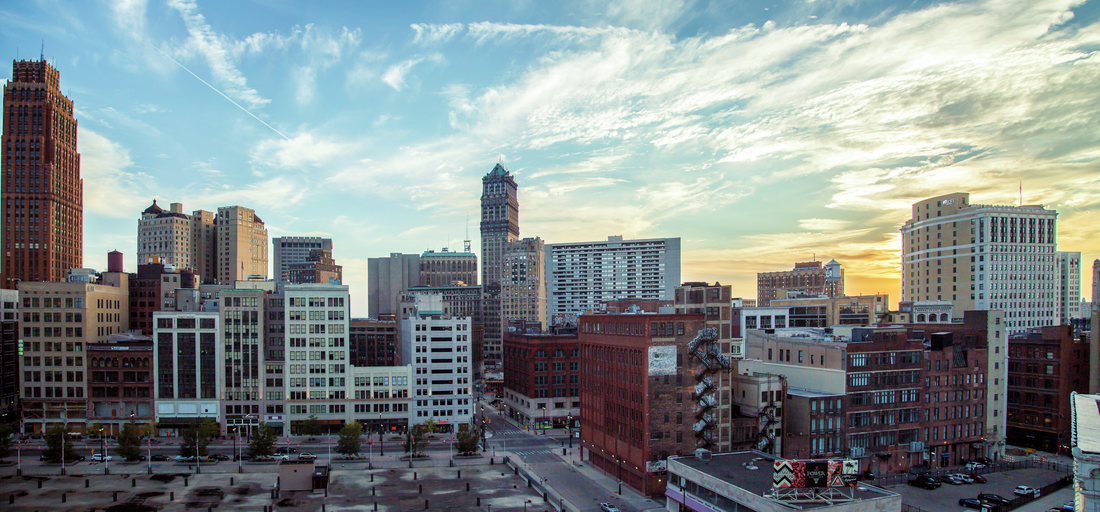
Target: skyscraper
293, 249
581, 276
1068, 270
499, 226
242, 244
43, 195
982, 257
523, 282
387, 278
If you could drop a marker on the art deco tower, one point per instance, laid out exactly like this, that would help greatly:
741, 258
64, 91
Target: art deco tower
499, 226
42, 194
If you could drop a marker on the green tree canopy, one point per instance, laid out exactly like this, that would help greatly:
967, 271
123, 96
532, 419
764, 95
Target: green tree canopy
262, 443
129, 442
6, 440
311, 426
468, 439
349, 442
57, 437
198, 437
416, 439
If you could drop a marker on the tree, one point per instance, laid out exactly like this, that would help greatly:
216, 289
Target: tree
415, 439
262, 443
430, 426
6, 439
57, 437
311, 426
349, 442
129, 442
468, 440
198, 437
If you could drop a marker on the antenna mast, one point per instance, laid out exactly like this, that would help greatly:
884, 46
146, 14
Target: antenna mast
42, 55
466, 243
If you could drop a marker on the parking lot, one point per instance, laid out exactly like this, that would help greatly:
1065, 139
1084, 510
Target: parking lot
947, 496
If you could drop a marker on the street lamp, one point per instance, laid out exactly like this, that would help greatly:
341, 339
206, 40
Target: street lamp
381, 436
619, 463
569, 430
103, 451
525, 505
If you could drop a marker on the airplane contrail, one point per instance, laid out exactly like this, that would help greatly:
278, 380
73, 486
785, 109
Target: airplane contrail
219, 92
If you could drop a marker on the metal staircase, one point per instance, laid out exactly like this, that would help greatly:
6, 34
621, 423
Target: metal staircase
709, 360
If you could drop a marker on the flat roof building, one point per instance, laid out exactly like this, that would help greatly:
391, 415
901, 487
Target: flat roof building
581, 276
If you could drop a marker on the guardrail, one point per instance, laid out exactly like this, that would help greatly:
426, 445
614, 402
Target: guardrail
549, 495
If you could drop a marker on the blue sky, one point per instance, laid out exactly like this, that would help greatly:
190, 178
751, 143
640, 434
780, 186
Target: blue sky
759, 134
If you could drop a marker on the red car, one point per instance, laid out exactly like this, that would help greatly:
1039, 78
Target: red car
978, 479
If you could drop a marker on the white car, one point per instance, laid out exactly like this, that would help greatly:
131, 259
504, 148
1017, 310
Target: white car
1023, 490
607, 507
966, 479
98, 457
953, 480
974, 466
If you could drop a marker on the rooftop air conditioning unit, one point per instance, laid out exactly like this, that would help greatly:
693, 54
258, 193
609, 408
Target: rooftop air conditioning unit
702, 454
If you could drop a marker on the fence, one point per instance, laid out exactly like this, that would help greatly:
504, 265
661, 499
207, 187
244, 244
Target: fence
898, 479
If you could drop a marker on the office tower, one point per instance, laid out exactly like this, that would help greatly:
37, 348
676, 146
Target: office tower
1068, 275
387, 278
241, 245
1095, 287
190, 362
523, 282
582, 275
318, 268
204, 245
808, 278
982, 257
9, 356
499, 226
374, 342
242, 312
275, 362
294, 249
1038, 415
445, 268
43, 194
439, 350
58, 321
317, 353
165, 237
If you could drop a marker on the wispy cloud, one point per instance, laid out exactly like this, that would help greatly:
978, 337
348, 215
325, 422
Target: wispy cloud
218, 55
429, 33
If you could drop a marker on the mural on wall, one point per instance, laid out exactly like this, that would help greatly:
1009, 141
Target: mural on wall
662, 360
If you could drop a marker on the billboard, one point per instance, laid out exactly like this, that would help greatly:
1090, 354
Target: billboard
797, 474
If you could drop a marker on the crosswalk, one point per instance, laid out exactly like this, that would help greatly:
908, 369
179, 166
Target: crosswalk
536, 455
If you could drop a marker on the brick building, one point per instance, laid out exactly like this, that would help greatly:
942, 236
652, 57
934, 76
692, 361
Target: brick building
43, 194
637, 305
374, 342
1045, 366
120, 383
542, 378
637, 385
808, 277
152, 289
444, 268
319, 267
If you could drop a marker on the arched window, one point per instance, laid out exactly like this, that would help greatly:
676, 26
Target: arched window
920, 317
945, 318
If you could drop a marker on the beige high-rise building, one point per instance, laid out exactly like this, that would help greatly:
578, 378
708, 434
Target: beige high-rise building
183, 241
523, 281
242, 244
58, 321
204, 244
983, 257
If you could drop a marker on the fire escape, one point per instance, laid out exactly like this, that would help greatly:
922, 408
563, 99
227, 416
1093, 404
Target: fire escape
709, 361
769, 423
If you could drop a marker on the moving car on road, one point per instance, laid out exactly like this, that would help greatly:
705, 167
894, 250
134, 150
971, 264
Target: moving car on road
98, 457
306, 456
218, 456
160, 458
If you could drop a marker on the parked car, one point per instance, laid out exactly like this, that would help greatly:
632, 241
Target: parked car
995, 499
98, 457
925, 482
953, 480
282, 450
306, 456
1069, 506
1023, 490
607, 507
243, 456
984, 460
181, 458
978, 479
139, 458
218, 456
966, 479
160, 458
971, 503
974, 466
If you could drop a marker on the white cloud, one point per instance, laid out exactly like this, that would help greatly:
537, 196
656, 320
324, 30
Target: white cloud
430, 33
395, 75
822, 224
217, 53
301, 151
109, 189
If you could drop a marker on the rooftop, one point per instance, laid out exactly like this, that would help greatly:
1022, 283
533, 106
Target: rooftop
732, 468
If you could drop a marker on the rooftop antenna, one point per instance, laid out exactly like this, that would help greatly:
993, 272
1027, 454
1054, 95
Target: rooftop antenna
466, 242
42, 54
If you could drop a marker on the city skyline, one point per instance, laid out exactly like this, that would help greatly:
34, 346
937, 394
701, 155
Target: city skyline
811, 128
